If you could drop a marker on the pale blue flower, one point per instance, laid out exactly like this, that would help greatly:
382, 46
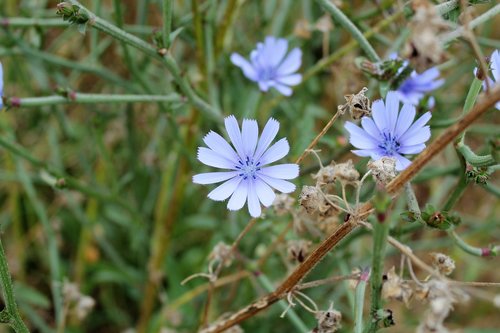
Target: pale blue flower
391, 132
1, 85
270, 66
248, 178
416, 86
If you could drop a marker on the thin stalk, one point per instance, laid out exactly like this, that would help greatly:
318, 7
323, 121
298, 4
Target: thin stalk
10, 314
359, 301
81, 98
411, 199
473, 24
380, 234
167, 22
339, 16
475, 251
290, 314
226, 22
166, 59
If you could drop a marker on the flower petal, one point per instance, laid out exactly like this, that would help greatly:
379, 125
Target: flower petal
275, 152
416, 131
291, 63
405, 119
281, 171
223, 191
284, 90
275, 50
401, 162
369, 126
239, 196
290, 80
415, 149
359, 138
267, 136
278, 184
391, 110
495, 65
253, 200
211, 158
213, 177
375, 154
218, 144
264, 192
378, 114
245, 66
233, 130
249, 134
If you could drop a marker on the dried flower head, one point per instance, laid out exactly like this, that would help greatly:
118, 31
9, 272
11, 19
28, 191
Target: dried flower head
444, 264
425, 46
383, 170
328, 321
222, 253
314, 202
283, 204
441, 297
358, 105
324, 24
394, 287
326, 175
249, 178
390, 133
298, 249
346, 173
270, 66
78, 304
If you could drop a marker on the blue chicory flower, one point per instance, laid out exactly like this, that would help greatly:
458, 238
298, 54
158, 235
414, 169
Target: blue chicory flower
270, 66
1, 85
249, 178
414, 87
391, 132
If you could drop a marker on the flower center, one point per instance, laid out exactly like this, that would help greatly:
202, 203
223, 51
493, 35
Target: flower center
390, 145
248, 168
267, 73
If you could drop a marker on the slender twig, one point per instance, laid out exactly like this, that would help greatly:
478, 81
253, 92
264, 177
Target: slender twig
475, 251
82, 98
359, 301
340, 17
167, 60
167, 22
10, 314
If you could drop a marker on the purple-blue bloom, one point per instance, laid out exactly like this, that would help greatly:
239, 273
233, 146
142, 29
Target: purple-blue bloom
1, 85
248, 177
270, 66
414, 87
391, 132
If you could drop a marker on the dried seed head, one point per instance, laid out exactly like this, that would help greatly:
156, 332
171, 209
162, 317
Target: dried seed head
222, 253
314, 202
283, 204
358, 105
396, 288
383, 170
444, 264
346, 173
298, 249
78, 304
324, 24
328, 321
325, 175
425, 47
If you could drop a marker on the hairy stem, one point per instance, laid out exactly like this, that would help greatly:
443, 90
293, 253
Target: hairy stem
10, 314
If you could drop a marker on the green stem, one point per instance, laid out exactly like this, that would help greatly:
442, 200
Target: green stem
81, 98
470, 100
167, 22
380, 233
167, 60
474, 23
360, 301
475, 251
348, 25
290, 314
10, 314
